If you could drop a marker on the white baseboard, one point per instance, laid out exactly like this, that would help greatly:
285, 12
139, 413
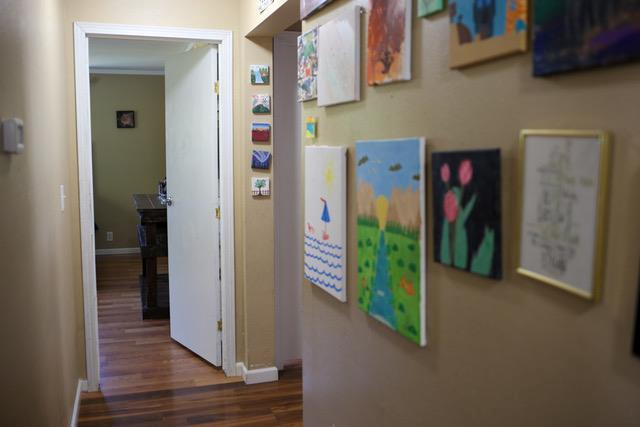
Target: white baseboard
118, 251
82, 386
257, 376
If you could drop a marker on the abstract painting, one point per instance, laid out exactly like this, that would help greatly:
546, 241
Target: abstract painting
309, 7
260, 159
339, 58
263, 4
390, 178
261, 104
260, 132
325, 229
481, 30
429, 7
311, 128
575, 35
467, 209
308, 65
563, 194
259, 74
389, 41
260, 186
125, 119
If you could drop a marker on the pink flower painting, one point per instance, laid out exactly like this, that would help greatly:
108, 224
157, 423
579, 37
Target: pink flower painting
450, 206
465, 172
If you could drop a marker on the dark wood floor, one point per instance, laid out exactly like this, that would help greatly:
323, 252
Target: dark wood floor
148, 379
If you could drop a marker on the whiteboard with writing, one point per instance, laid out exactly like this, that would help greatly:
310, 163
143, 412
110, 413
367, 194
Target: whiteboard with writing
559, 210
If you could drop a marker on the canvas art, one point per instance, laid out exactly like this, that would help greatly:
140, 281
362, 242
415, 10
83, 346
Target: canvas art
261, 104
311, 128
309, 7
125, 119
430, 7
575, 35
263, 4
389, 41
260, 186
260, 132
325, 230
563, 200
308, 65
260, 74
486, 29
390, 178
260, 159
467, 232
339, 58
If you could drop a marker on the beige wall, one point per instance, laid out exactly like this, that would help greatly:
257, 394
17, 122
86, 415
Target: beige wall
125, 161
508, 353
42, 354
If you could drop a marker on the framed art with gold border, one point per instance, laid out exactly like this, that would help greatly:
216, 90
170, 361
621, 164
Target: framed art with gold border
563, 182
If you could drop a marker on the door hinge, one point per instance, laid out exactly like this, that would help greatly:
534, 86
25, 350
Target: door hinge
220, 325
216, 87
218, 213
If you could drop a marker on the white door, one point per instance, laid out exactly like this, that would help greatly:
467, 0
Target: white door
192, 185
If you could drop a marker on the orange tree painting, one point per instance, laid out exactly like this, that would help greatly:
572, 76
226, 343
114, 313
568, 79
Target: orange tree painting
389, 41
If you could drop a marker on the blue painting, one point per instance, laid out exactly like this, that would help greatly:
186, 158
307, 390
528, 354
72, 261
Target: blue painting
580, 34
390, 177
261, 159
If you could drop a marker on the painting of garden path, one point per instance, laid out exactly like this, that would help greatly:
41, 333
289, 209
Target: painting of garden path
325, 231
391, 234
467, 211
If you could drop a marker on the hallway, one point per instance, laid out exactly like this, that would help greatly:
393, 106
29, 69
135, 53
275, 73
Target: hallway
149, 379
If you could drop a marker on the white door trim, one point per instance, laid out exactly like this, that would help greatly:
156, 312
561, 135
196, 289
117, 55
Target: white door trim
224, 40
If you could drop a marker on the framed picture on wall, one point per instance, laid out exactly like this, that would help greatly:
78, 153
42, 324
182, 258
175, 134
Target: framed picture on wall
563, 199
125, 119
309, 7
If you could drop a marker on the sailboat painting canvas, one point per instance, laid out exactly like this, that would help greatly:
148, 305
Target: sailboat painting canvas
391, 237
325, 228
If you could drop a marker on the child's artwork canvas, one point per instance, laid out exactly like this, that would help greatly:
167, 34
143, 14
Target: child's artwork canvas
260, 186
574, 35
260, 159
391, 234
325, 230
339, 58
260, 74
311, 128
467, 232
309, 7
389, 41
429, 7
486, 29
308, 65
260, 132
261, 104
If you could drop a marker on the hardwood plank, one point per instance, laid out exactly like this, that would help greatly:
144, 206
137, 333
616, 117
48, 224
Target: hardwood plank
150, 380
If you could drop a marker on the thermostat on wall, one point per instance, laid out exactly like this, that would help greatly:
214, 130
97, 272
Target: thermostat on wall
13, 136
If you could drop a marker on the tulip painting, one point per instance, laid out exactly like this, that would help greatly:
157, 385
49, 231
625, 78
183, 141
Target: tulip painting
466, 200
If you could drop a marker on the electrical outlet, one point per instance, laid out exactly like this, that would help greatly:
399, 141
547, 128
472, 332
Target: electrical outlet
109, 236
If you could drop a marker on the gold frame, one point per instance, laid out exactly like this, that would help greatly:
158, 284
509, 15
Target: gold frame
601, 209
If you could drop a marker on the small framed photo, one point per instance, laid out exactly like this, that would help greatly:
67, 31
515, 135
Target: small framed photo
563, 200
260, 74
125, 119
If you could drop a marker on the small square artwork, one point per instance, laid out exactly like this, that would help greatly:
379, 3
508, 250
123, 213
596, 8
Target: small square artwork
260, 74
308, 65
325, 230
467, 231
260, 132
260, 159
390, 177
430, 7
311, 128
263, 4
576, 35
339, 58
125, 119
261, 104
389, 41
481, 30
260, 186
309, 7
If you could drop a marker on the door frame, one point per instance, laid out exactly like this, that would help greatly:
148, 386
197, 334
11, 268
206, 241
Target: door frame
224, 39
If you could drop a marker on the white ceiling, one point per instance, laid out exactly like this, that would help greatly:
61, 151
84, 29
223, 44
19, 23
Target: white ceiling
137, 56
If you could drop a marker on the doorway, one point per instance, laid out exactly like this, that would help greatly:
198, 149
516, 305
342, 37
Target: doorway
182, 126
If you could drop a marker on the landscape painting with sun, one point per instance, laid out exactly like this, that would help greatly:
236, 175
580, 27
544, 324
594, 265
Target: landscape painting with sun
391, 234
325, 228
